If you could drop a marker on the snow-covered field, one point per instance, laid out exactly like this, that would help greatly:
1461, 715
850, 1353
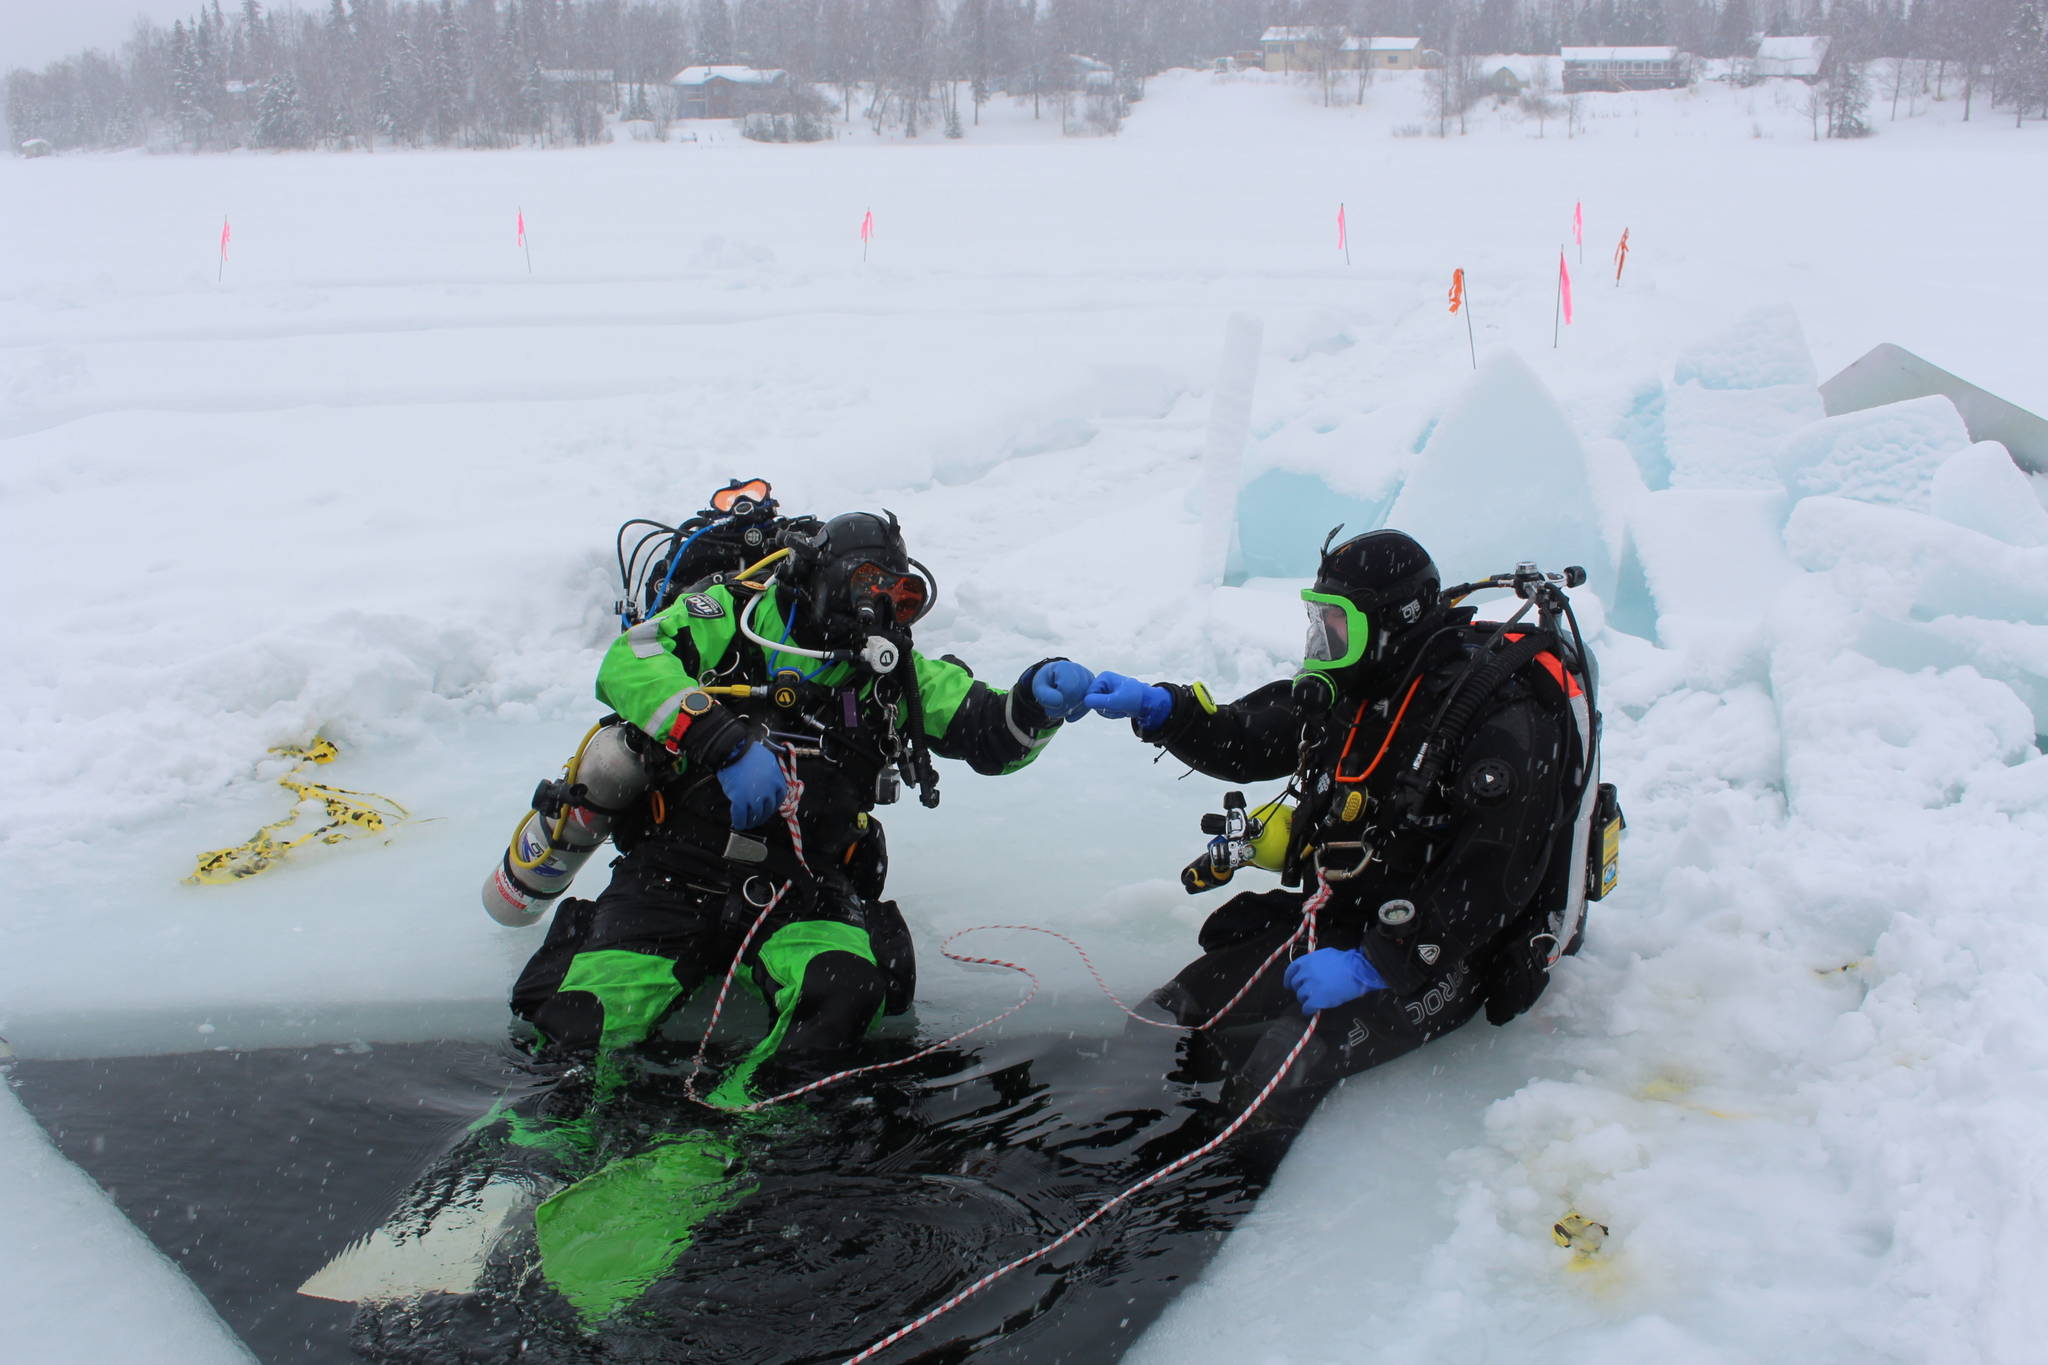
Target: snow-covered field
364, 485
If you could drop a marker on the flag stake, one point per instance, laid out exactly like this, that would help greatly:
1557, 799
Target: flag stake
1564, 298
1459, 300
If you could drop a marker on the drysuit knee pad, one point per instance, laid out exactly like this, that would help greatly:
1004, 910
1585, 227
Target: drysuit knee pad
840, 995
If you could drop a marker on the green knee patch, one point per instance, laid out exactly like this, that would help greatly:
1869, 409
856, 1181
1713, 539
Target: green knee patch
634, 989
785, 956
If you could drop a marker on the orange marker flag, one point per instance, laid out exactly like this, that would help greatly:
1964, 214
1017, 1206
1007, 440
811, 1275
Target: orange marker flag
1620, 255
1457, 289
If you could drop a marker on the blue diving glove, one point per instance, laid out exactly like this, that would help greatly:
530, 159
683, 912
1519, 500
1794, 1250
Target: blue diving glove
754, 784
1059, 687
1331, 976
1122, 698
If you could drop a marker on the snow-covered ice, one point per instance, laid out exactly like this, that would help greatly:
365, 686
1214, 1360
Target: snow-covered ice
365, 486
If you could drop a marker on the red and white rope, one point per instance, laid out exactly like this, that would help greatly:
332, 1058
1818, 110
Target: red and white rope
1309, 908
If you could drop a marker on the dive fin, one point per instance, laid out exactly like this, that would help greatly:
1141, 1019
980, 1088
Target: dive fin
430, 1245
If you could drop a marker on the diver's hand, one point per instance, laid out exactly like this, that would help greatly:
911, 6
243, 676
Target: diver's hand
1060, 687
754, 783
1329, 977
1122, 698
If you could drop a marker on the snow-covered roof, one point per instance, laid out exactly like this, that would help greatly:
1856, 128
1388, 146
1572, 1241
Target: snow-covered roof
738, 75
1791, 56
1618, 54
1523, 66
570, 76
1381, 44
1292, 34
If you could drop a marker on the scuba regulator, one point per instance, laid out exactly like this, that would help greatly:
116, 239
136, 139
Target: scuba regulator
1239, 837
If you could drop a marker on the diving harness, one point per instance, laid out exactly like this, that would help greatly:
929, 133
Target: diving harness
571, 818
1272, 837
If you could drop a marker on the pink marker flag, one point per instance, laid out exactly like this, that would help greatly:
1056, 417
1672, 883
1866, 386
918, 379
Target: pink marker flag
1341, 242
521, 241
867, 225
1579, 223
1564, 288
224, 234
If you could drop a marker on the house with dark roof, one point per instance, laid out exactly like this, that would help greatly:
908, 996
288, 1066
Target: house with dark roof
726, 91
1625, 68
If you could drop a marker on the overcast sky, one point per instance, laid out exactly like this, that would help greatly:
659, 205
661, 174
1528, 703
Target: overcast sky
35, 33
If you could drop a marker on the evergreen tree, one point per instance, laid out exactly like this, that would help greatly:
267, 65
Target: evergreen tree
281, 114
2022, 68
447, 85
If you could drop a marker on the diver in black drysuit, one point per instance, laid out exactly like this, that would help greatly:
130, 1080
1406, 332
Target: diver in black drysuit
1449, 910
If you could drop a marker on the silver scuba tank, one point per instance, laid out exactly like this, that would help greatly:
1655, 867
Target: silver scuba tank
570, 820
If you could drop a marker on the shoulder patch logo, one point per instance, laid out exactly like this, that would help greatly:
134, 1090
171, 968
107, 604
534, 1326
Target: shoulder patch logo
700, 605
1429, 953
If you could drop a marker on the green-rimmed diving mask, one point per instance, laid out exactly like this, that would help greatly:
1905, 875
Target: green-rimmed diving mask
1338, 632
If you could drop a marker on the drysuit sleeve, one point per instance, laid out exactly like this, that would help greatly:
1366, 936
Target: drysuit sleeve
992, 731
1506, 799
1252, 739
648, 669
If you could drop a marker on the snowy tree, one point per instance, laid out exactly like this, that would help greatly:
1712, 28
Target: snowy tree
714, 35
191, 106
2022, 68
1845, 99
448, 77
281, 114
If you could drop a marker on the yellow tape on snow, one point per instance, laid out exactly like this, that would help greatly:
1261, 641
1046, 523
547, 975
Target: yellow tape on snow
346, 813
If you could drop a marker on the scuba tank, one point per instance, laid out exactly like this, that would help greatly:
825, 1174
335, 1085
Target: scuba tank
570, 819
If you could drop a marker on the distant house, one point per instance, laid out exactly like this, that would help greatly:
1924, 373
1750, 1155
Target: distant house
1383, 54
1794, 58
1089, 74
1625, 68
726, 91
1296, 48
1512, 73
1311, 49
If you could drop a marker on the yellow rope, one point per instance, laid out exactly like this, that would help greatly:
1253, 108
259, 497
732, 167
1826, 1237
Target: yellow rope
347, 812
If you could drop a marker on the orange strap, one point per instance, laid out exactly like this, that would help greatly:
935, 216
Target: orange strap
1389, 739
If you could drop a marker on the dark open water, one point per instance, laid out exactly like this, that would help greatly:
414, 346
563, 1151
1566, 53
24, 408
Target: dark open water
846, 1214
